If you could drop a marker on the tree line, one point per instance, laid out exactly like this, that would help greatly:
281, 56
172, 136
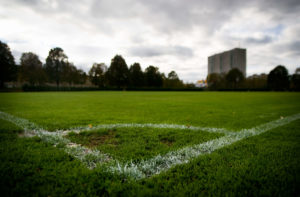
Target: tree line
277, 80
120, 76
58, 70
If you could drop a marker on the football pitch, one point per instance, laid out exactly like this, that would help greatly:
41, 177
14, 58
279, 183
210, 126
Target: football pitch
150, 143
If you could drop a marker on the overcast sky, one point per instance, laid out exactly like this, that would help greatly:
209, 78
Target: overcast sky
170, 34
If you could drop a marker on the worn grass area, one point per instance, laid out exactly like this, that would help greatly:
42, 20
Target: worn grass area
264, 165
140, 143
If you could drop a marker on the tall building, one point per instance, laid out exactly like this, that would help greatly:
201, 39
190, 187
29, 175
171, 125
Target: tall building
224, 62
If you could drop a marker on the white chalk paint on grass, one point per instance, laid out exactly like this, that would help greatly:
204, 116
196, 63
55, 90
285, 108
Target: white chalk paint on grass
89, 157
152, 166
161, 163
146, 125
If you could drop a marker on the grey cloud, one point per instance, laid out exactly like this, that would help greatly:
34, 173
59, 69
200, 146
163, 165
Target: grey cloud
39, 6
165, 16
294, 48
263, 40
138, 39
286, 6
51, 5
151, 51
169, 16
290, 49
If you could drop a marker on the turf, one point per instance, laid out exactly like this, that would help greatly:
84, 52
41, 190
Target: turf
140, 143
264, 165
231, 110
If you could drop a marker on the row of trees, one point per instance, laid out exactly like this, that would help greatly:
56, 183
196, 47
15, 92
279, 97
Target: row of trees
120, 76
58, 70
277, 79
31, 70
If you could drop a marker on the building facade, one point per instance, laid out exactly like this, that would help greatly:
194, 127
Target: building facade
224, 62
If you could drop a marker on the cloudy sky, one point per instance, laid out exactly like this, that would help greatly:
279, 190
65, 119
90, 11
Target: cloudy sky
170, 34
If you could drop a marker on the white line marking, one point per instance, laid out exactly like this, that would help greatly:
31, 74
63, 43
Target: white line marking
145, 125
162, 163
86, 155
152, 166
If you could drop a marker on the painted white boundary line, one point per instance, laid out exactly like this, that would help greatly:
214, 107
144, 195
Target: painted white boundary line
87, 156
162, 163
145, 125
90, 157
145, 168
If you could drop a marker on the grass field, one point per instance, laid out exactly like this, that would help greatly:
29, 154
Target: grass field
150, 143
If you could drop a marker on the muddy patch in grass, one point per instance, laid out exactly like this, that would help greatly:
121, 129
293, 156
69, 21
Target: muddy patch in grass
169, 141
94, 139
108, 138
22, 134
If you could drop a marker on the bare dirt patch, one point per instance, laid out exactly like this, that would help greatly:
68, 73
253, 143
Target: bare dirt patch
166, 141
109, 138
25, 134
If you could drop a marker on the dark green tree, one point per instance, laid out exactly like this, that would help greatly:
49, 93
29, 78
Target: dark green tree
189, 85
55, 62
173, 75
68, 73
234, 78
215, 81
136, 75
257, 82
71, 74
278, 78
31, 69
295, 80
80, 77
97, 74
173, 81
8, 68
153, 77
118, 73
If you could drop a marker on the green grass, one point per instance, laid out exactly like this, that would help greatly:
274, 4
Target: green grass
232, 110
140, 143
264, 165
7, 126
